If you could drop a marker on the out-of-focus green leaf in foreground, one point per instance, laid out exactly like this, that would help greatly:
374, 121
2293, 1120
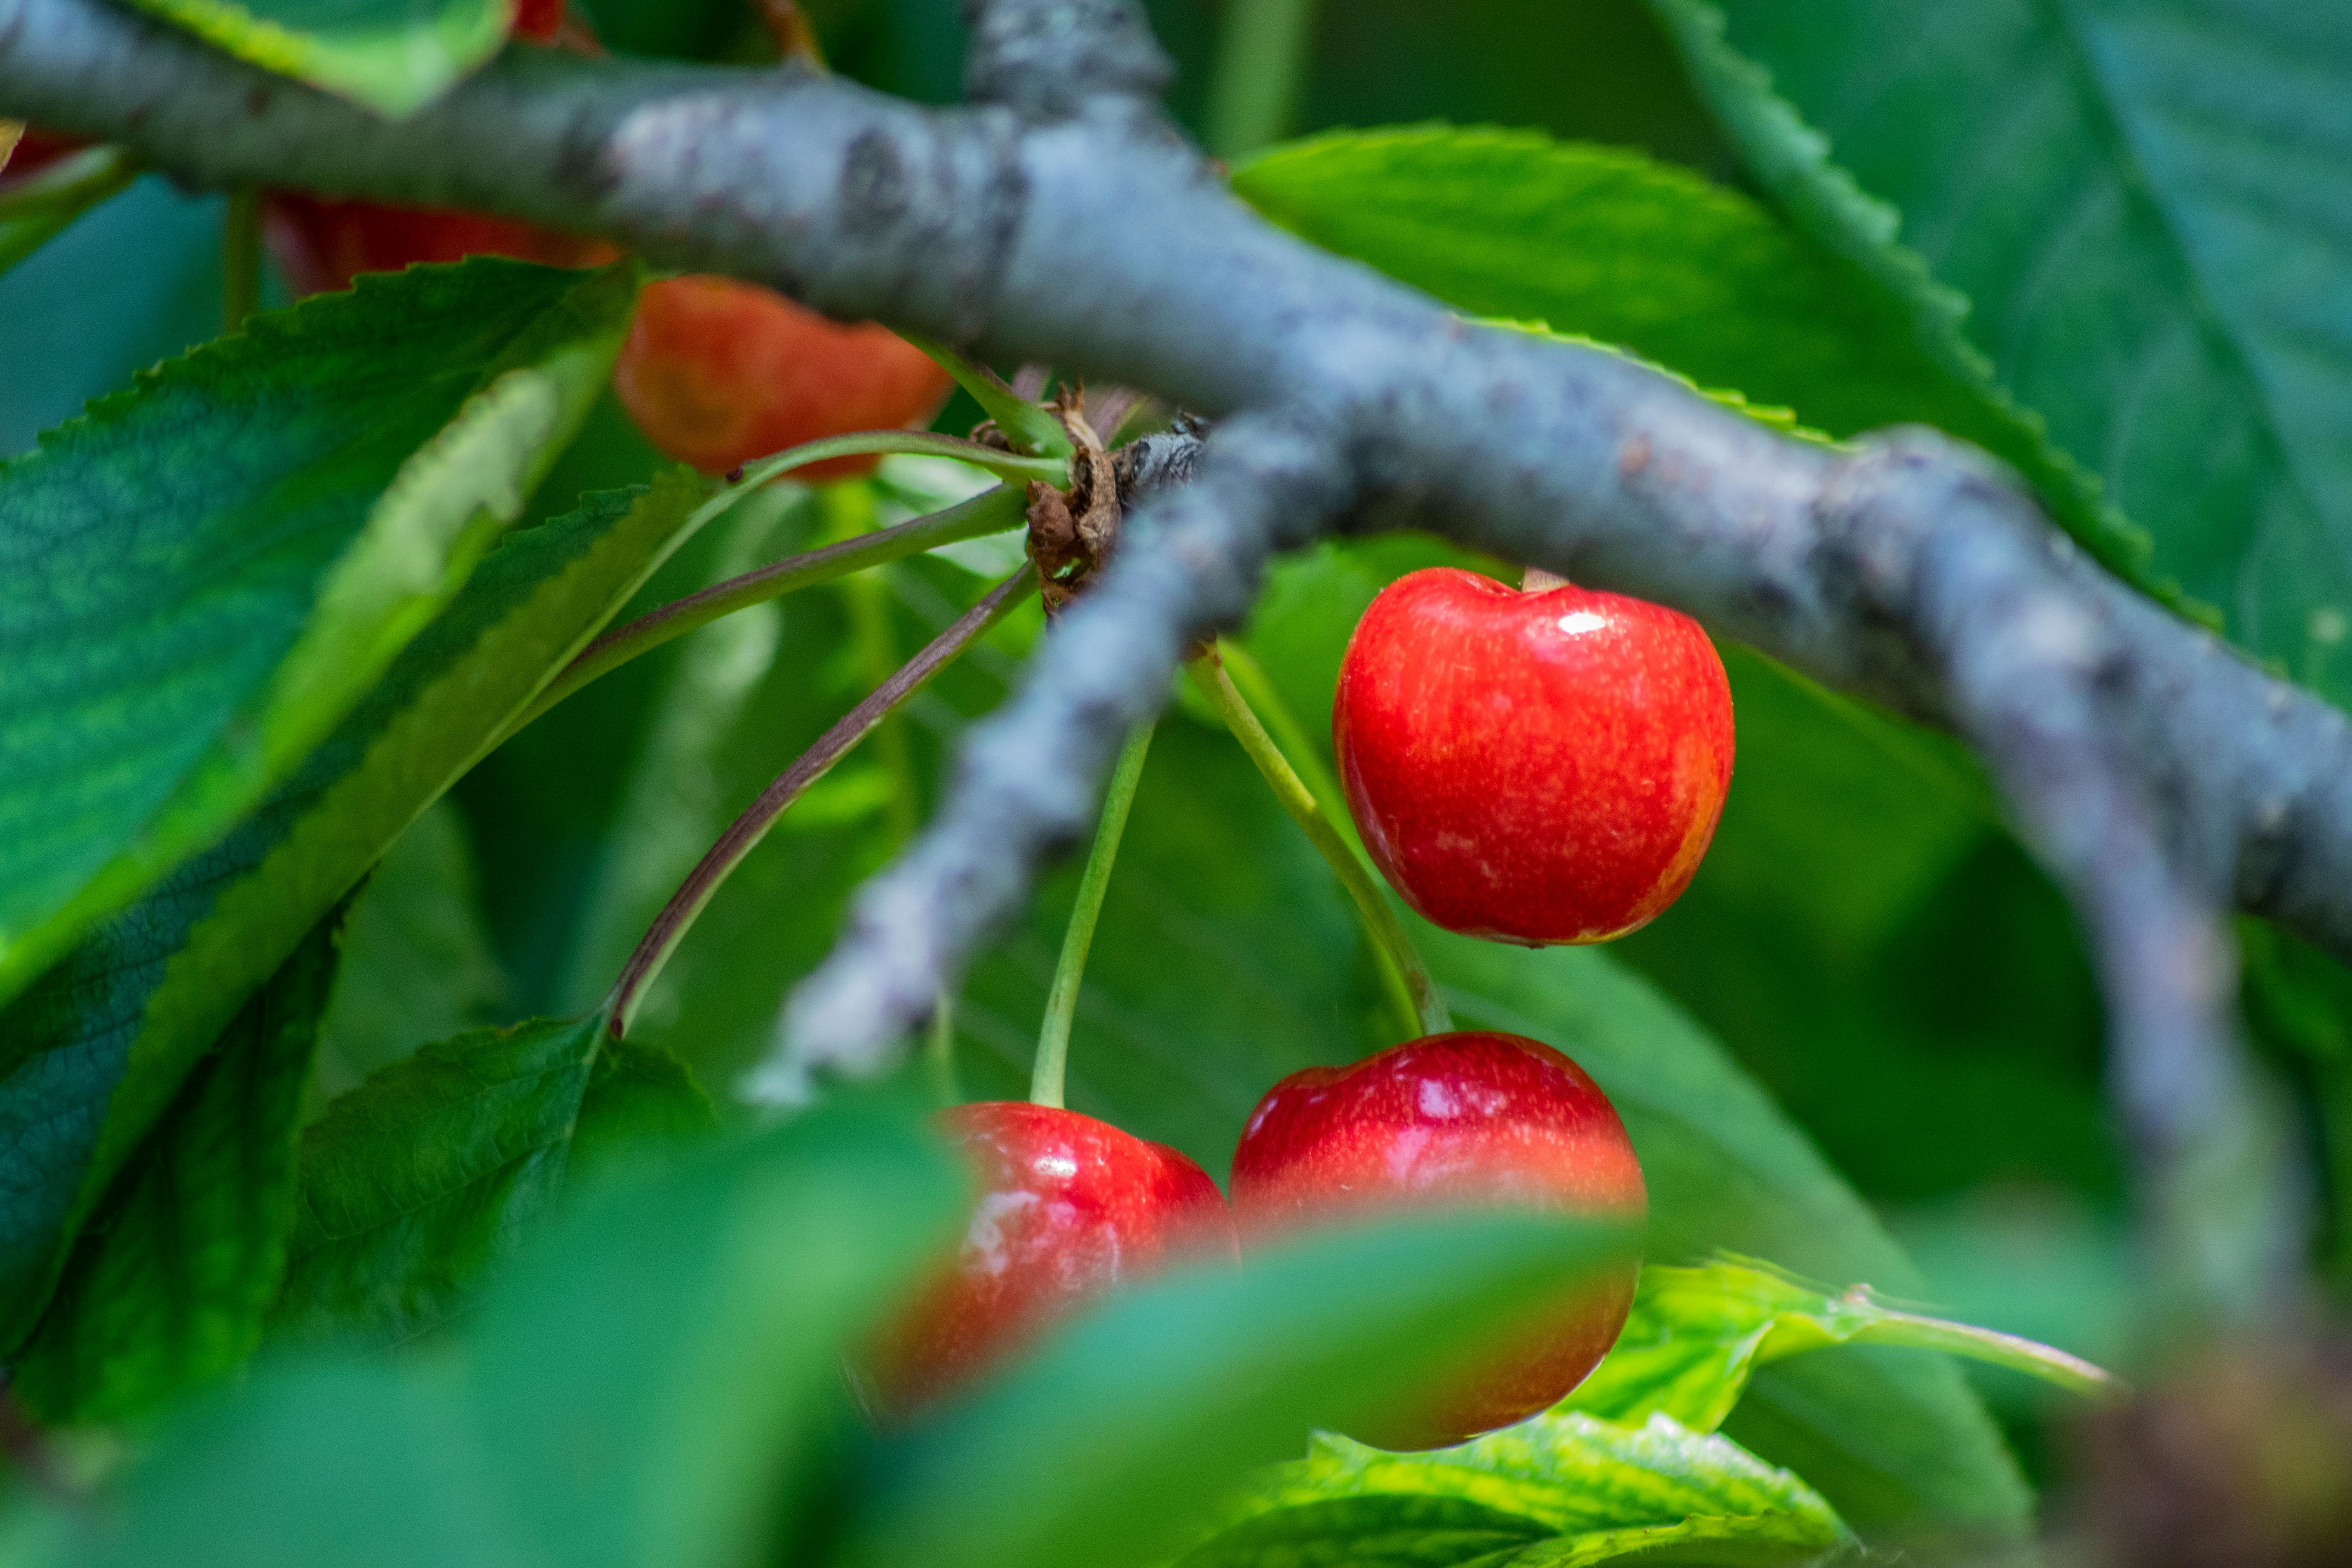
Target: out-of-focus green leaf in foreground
1129, 1425
1559, 1491
635, 1393
393, 56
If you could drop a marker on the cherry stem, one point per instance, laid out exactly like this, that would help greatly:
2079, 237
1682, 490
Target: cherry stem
240, 257
2045, 1362
849, 509
1415, 995
938, 1057
1052, 1066
743, 835
991, 511
1535, 580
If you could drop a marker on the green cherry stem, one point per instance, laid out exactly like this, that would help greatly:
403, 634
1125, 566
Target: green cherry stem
1409, 987
939, 1052
1047, 1077
743, 835
991, 511
1297, 747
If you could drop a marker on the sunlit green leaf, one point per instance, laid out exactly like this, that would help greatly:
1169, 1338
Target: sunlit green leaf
393, 56
1561, 1490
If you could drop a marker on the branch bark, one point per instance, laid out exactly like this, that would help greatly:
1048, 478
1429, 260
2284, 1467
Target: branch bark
1059, 217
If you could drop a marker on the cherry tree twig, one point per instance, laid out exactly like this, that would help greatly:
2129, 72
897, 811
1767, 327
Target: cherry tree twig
1059, 219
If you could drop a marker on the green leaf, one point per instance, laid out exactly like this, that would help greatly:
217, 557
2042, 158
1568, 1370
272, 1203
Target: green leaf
1897, 1444
1607, 244
1696, 1335
417, 963
101, 1042
416, 1183
2131, 210
1097, 1448
1028, 427
642, 1389
1561, 1490
203, 575
36, 208
167, 1286
393, 56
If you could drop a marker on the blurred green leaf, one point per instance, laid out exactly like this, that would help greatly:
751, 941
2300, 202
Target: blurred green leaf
1695, 1334
36, 207
639, 1393
1605, 243
205, 573
1096, 1450
1561, 1491
416, 963
438, 1166
101, 1040
1896, 1443
416, 1184
2132, 211
393, 56
166, 1289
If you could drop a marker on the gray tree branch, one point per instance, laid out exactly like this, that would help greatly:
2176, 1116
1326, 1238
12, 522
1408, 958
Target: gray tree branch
1059, 217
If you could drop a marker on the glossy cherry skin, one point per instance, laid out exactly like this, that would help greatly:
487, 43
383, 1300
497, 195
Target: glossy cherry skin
1068, 1207
718, 372
1471, 1119
1532, 767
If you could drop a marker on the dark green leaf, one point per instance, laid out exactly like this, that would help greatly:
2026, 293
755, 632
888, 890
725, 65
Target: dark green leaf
642, 1105
100, 1044
2133, 210
200, 576
416, 1183
640, 1392
1098, 1448
393, 56
1610, 245
416, 965
168, 1285
1697, 1334
1559, 1491
36, 207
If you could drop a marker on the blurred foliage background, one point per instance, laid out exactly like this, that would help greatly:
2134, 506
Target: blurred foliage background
1866, 936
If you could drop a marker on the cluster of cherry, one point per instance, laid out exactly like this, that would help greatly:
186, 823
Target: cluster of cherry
1540, 765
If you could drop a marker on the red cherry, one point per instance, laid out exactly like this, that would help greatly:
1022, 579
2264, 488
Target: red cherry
1069, 1207
718, 372
322, 244
1450, 1121
538, 20
1535, 767
35, 149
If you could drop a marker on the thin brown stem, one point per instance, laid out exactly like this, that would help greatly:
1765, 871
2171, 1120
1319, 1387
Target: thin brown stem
743, 835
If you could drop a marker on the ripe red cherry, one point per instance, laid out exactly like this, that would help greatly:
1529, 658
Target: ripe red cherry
538, 20
322, 244
1068, 1207
1534, 767
718, 372
1453, 1121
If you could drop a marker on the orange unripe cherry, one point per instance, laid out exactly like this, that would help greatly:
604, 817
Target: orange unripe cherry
718, 372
